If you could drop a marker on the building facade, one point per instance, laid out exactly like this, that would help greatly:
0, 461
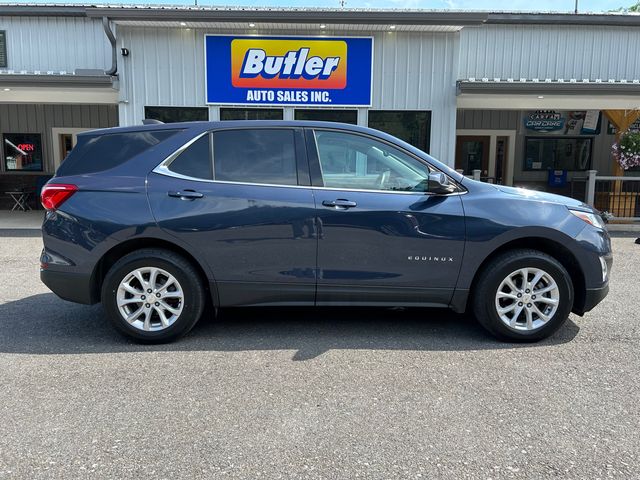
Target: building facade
523, 98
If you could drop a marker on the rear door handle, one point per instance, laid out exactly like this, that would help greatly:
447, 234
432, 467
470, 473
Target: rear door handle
185, 194
339, 204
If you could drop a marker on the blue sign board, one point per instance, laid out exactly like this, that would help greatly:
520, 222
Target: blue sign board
312, 71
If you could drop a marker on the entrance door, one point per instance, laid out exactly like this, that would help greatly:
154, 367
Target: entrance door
472, 153
382, 237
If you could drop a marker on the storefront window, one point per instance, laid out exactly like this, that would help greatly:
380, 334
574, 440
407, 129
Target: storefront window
23, 152
177, 114
251, 114
411, 126
573, 154
322, 115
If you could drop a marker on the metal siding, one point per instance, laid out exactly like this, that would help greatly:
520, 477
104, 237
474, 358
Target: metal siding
547, 51
488, 119
55, 44
410, 71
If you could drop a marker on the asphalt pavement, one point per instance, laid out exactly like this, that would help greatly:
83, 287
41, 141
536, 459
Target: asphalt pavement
322, 394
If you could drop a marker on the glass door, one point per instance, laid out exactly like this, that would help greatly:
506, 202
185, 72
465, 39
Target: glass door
472, 153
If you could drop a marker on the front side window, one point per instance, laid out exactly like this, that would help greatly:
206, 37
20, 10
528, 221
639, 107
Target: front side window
352, 161
195, 160
255, 156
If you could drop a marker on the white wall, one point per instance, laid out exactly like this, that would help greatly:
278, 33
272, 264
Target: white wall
410, 71
55, 43
550, 51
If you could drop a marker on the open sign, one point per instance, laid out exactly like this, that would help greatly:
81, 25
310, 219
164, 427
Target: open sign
27, 147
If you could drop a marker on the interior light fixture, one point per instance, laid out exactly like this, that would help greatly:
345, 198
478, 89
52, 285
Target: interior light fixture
182, 24
323, 26
252, 25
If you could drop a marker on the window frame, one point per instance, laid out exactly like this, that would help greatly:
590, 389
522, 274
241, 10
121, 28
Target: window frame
313, 154
301, 158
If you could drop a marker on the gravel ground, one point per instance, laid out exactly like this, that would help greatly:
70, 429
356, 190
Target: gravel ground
298, 394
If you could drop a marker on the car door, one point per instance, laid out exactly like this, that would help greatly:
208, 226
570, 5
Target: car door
240, 198
382, 238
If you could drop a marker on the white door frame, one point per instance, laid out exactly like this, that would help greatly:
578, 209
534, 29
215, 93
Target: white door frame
55, 134
493, 140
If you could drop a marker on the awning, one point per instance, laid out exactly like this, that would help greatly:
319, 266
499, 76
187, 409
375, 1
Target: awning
559, 94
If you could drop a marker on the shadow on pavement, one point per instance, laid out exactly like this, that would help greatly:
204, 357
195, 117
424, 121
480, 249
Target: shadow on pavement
44, 324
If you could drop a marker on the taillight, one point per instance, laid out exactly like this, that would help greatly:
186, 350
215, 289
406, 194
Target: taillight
55, 194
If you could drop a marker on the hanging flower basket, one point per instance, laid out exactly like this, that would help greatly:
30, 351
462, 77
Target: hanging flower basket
627, 150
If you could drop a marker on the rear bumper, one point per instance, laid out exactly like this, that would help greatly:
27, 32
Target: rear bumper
73, 287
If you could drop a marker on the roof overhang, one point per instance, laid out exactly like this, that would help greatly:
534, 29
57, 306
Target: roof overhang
63, 80
549, 87
289, 15
57, 88
572, 95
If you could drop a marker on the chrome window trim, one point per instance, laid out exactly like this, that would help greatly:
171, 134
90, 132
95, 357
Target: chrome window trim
163, 168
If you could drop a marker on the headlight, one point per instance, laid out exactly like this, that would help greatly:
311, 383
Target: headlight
590, 218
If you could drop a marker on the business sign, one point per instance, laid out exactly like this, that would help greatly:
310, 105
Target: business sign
544, 121
579, 122
311, 71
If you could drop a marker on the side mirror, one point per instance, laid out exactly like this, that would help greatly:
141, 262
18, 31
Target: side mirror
438, 183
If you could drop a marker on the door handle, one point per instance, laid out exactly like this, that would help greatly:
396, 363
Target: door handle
185, 194
339, 204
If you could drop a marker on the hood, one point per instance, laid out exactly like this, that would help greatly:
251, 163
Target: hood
545, 197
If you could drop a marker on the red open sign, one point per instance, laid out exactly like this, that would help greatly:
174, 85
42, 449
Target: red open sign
27, 147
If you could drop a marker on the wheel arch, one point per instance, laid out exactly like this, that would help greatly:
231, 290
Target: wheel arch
551, 247
111, 256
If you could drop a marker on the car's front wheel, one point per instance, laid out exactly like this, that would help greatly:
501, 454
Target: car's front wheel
153, 295
523, 295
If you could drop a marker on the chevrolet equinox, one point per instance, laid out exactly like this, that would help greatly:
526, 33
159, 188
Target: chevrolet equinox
157, 221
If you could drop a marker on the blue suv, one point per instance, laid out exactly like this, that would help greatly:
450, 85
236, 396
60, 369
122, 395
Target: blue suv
159, 221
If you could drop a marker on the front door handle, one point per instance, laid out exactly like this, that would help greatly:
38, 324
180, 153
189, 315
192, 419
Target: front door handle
185, 194
339, 204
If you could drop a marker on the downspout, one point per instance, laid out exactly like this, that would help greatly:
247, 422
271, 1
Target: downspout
112, 39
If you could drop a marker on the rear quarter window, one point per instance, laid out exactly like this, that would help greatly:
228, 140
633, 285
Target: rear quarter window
103, 152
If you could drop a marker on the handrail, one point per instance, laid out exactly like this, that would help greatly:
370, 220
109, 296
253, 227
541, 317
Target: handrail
614, 178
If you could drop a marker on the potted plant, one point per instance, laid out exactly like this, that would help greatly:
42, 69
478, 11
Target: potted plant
627, 150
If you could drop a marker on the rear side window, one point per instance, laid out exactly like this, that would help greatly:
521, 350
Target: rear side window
255, 156
195, 160
103, 152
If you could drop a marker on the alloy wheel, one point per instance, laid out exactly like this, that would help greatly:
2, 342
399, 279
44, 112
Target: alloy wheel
527, 299
150, 299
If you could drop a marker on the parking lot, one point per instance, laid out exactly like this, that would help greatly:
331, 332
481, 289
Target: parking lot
296, 393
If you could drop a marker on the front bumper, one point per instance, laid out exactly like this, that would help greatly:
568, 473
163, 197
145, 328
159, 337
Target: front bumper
593, 296
74, 287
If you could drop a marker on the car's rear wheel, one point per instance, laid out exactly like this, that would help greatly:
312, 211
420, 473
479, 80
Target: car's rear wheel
153, 295
523, 295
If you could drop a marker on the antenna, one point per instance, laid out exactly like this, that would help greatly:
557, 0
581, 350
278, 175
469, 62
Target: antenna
576, 11
343, 3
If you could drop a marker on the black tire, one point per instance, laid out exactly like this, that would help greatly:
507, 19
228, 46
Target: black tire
194, 299
486, 289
